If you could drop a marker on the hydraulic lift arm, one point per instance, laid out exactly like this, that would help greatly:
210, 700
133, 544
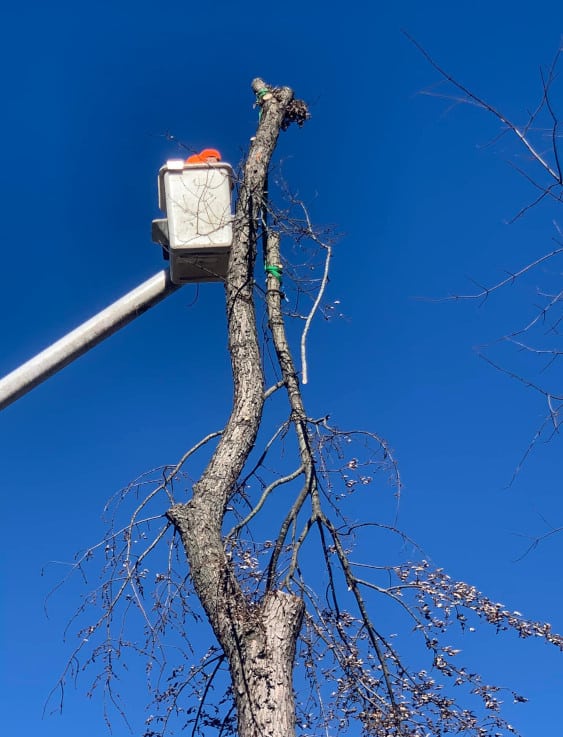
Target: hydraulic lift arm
84, 337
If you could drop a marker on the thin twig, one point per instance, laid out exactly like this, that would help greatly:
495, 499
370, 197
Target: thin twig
318, 298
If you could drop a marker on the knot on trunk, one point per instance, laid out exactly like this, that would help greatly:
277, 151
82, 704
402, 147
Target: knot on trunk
179, 515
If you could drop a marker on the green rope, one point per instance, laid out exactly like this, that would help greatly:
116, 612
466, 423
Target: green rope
259, 95
275, 270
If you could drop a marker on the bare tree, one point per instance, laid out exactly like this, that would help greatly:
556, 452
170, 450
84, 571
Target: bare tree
538, 159
280, 626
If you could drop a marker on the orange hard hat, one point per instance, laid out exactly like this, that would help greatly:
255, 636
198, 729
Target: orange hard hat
210, 153
203, 156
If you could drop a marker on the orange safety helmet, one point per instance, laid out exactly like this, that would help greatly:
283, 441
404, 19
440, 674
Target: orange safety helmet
204, 156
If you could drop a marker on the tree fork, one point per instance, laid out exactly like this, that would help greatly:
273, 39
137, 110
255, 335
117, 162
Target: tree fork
259, 640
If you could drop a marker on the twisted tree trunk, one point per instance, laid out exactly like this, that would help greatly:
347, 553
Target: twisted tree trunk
258, 638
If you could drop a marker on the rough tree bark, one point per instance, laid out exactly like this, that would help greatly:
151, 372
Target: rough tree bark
258, 638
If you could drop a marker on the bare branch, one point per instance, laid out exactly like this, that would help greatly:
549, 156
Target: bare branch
318, 298
555, 174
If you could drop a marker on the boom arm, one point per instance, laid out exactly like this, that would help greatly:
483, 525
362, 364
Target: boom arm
84, 337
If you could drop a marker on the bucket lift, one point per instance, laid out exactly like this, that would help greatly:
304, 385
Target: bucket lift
197, 233
196, 237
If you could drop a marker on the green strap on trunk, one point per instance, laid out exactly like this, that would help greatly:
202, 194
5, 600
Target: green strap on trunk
274, 270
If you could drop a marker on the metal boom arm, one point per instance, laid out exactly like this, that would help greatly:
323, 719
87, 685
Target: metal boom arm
86, 336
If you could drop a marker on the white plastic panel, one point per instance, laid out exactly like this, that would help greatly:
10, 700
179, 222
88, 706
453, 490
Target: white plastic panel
198, 206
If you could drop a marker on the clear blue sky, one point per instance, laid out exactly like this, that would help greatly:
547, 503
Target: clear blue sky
89, 93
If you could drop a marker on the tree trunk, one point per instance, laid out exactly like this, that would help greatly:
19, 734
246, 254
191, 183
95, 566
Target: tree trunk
263, 677
258, 638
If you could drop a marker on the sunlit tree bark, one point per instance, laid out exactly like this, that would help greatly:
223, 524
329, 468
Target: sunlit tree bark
258, 638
